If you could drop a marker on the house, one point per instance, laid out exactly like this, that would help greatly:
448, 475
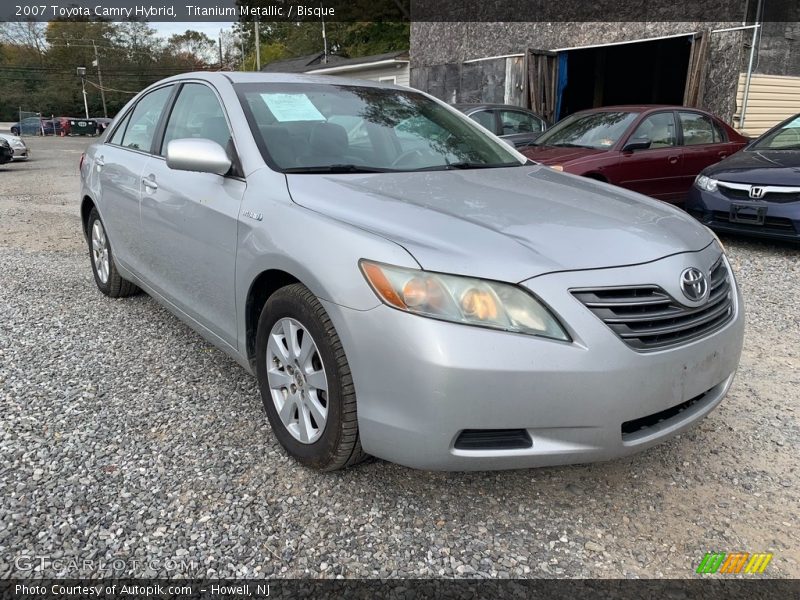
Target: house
391, 67
557, 68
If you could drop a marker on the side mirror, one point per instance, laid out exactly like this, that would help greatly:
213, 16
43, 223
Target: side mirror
199, 155
637, 143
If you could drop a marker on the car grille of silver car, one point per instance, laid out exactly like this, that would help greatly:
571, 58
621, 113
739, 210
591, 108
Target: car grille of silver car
648, 318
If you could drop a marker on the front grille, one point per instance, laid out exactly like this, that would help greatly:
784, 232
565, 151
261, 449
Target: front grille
774, 224
493, 439
776, 197
648, 318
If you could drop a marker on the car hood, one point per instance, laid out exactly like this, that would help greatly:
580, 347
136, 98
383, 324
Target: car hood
552, 155
759, 167
506, 224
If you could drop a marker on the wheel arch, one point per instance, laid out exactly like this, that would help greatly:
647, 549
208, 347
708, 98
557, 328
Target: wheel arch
262, 287
596, 177
87, 204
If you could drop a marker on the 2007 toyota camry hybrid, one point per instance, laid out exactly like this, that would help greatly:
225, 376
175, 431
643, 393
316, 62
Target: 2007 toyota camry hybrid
402, 283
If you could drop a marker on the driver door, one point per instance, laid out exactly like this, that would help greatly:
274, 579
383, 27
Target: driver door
656, 171
190, 220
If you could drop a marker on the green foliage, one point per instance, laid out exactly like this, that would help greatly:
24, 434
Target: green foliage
38, 61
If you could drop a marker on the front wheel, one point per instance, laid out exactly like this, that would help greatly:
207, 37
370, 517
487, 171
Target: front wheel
305, 381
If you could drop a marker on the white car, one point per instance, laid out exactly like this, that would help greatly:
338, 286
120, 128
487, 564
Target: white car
21, 151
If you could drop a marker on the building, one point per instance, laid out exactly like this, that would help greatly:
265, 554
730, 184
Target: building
392, 67
557, 68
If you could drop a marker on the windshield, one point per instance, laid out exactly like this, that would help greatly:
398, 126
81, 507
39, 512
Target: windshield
785, 137
599, 130
313, 128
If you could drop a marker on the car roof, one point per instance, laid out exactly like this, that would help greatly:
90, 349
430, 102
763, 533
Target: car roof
640, 108
234, 77
469, 105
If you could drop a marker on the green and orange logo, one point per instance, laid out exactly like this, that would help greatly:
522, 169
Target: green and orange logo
734, 562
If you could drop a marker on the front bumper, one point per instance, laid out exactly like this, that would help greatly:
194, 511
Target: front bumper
782, 221
421, 382
21, 153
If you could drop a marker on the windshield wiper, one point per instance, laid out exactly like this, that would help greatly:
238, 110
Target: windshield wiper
468, 165
567, 145
338, 169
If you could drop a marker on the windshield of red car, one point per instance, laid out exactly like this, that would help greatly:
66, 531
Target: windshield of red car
598, 130
324, 128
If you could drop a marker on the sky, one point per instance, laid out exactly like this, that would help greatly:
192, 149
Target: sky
210, 29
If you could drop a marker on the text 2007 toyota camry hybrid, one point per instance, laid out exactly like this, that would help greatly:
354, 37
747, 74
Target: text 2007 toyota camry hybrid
401, 282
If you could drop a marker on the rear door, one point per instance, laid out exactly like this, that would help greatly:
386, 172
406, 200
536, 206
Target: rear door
519, 126
190, 219
487, 118
704, 143
655, 171
120, 163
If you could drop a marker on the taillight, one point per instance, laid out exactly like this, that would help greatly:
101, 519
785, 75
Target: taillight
80, 165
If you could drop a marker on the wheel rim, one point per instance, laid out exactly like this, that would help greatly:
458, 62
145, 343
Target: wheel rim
100, 251
297, 381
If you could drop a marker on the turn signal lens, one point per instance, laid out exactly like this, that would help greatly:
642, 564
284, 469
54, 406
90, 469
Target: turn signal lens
557, 167
462, 300
381, 285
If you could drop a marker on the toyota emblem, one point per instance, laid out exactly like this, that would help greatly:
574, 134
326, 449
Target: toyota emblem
694, 284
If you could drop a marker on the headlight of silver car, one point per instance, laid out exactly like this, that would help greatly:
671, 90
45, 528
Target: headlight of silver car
462, 300
706, 183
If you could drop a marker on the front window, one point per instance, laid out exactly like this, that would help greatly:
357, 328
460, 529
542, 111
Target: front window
307, 128
598, 130
785, 137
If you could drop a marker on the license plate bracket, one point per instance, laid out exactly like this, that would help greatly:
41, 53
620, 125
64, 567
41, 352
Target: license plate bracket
748, 213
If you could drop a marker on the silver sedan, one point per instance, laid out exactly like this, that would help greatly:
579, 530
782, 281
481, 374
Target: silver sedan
18, 146
401, 282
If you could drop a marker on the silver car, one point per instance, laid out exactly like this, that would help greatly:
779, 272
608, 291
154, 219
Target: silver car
18, 146
401, 282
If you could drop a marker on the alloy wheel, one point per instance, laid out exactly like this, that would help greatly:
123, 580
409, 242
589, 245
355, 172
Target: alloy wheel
100, 251
297, 381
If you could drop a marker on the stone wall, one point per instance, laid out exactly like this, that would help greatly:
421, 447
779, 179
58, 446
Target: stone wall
452, 43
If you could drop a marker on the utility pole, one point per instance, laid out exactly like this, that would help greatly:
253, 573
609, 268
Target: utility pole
324, 41
258, 48
220, 49
99, 80
82, 75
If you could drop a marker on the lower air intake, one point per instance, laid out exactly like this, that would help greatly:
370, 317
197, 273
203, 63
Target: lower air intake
493, 439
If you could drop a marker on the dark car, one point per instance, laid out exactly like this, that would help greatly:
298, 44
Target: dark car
28, 126
81, 126
756, 191
101, 124
512, 123
654, 150
6, 153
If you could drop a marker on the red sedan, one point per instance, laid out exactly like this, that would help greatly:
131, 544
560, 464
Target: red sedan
654, 150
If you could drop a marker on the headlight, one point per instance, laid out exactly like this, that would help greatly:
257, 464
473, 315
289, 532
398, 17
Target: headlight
462, 300
706, 183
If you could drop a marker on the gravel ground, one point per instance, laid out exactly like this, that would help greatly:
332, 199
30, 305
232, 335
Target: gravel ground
130, 443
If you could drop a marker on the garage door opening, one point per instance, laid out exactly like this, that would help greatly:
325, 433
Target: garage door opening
652, 72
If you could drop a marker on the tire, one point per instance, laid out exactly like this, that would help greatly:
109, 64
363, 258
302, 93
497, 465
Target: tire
105, 272
293, 312
14, 131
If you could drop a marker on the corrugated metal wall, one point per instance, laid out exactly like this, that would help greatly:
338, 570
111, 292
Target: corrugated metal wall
772, 99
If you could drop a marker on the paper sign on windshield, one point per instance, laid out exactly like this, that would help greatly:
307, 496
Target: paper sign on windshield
292, 107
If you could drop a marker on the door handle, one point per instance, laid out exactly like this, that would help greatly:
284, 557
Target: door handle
722, 154
673, 160
149, 183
